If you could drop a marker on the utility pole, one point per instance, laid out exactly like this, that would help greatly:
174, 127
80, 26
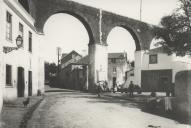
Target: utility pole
58, 54
140, 10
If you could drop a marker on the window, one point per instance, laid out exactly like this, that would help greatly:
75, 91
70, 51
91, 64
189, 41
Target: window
9, 26
8, 75
113, 60
30, 42
21, 30
153, 59
114, 70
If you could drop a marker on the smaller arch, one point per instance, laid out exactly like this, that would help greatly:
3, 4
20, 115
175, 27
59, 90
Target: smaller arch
155, 43
133, 34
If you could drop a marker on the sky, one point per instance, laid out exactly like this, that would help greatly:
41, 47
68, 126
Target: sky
67, 32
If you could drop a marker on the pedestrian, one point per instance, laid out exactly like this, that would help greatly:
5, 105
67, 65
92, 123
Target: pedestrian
131, 89
105, 85
172, 89
167, 88
99, 89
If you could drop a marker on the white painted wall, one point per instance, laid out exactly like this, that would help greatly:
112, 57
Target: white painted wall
1, 56
22, 57
121, 67
164, 62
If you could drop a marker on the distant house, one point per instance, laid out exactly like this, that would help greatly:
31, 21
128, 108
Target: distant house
67, 59
117, 68
74, 71
74, 74
159, 67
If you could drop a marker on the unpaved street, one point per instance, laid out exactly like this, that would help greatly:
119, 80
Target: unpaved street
71, 109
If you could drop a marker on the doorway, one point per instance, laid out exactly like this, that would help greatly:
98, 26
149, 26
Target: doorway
114, 82
20, 82
30, 83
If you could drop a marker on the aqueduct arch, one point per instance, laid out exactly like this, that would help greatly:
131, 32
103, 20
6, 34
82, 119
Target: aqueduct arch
98, 24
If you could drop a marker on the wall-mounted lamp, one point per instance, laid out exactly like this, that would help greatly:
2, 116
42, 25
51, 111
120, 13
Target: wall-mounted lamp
19, 43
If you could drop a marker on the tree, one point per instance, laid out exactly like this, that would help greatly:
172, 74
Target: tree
175, 33
50, 71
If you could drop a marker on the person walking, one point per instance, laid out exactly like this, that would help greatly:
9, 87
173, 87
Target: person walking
99, 88
131, 89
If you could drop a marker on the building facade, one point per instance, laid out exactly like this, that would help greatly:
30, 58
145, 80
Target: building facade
67, 59
74, 72
157, 68
74, 76
117, 69
22, 69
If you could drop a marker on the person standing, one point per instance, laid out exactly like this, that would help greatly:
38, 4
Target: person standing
167, 88
99, 89
173, 89
131, 89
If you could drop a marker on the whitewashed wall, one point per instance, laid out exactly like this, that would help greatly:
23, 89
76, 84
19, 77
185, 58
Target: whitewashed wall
164, 62
1, 55
22, 57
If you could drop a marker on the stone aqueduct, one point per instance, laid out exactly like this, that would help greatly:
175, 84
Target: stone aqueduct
98, 24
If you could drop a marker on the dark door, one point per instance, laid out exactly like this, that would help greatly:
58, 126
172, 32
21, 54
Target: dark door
30, 83
114, 82
155, 80
20, 82
164, 81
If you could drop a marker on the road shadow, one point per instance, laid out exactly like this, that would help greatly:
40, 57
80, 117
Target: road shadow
159, 111
129, 103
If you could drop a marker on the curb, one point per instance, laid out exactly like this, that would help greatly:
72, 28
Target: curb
27, 116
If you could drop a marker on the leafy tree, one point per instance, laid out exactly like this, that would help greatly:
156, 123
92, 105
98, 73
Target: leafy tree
176, 30
50, 71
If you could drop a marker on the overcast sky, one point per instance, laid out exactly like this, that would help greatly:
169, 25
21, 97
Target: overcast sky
67, 32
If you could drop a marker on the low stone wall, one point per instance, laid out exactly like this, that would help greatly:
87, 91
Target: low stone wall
183, 95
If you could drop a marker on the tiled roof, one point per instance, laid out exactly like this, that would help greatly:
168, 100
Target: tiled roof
84, 60
64, 54
68, 56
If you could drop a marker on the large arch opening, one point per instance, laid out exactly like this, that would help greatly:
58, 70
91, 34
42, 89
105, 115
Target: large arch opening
71, 35
121, 57
65, 31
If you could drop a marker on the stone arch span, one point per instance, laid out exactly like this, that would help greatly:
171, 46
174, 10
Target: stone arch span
41, 10
133, 34
141, 32
98, 24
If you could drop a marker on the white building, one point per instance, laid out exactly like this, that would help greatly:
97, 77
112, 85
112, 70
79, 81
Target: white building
117, 69
21, 70
155, 66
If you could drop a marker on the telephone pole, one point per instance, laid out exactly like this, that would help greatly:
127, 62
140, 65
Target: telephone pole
58, 49
140, 10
